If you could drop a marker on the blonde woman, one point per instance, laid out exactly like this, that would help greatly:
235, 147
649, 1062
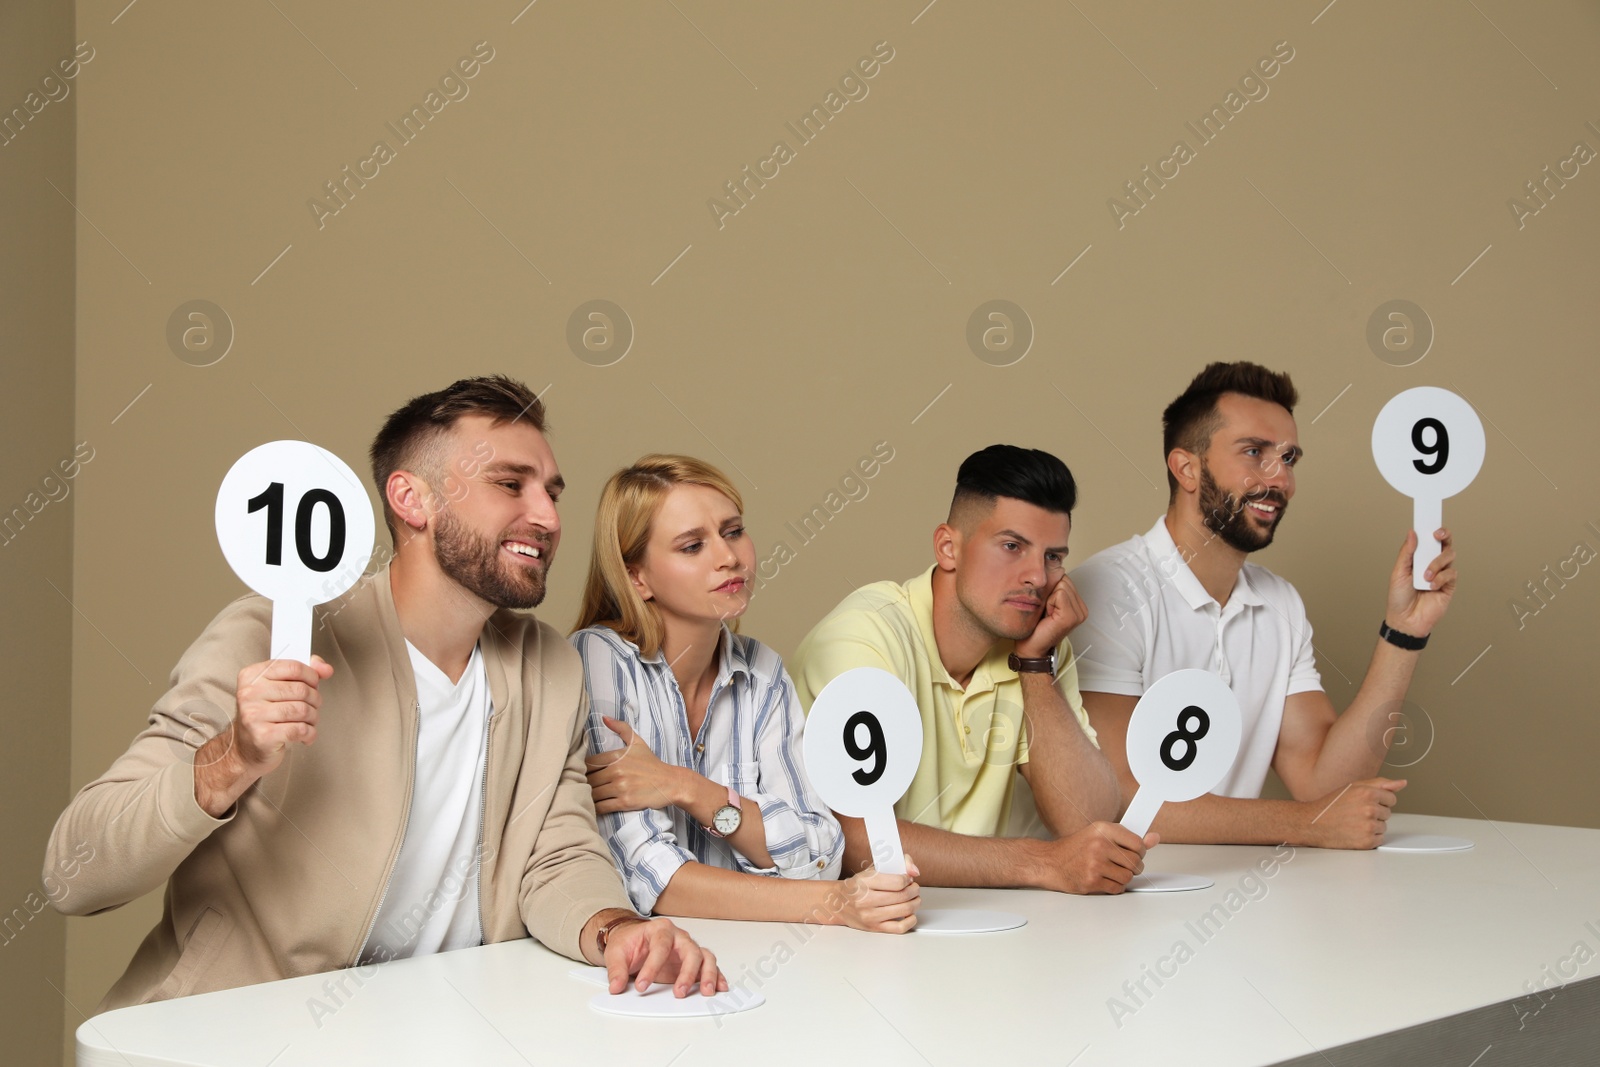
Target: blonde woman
695, 762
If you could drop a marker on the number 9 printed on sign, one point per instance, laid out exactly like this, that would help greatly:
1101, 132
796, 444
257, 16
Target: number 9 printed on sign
1429, 444
862, 744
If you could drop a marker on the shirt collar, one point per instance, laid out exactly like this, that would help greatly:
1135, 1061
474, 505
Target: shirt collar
731, 657
919, 591
993, 669
1158, 539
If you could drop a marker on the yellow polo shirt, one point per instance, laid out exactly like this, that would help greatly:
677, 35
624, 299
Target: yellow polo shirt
973, 739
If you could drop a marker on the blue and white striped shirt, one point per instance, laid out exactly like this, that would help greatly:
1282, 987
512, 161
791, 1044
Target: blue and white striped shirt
750, 739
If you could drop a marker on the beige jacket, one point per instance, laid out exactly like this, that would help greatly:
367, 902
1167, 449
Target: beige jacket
289, 881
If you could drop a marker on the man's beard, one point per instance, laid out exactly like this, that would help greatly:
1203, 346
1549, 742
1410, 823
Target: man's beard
474, 562
1224, 514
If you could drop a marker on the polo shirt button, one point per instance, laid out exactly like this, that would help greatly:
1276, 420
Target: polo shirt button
822, 865
700, 748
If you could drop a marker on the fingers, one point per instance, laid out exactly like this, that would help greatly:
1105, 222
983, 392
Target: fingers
285, 670
874, 880
1120, 836
1073, 602
620, 728
616, 962
711, 980
287, 692
1402, 565
658, 941
692, 961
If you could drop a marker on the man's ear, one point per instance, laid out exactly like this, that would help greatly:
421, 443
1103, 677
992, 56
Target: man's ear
407, 495
1185, 466
947, 541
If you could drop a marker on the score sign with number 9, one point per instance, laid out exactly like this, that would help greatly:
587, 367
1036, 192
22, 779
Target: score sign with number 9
862, 744
863, 741
1429, 444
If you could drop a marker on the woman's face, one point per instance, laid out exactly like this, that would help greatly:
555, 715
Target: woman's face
698, 561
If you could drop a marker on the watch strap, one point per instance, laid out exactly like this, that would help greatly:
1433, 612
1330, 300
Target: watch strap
1033, 664
603, 935
1401, 640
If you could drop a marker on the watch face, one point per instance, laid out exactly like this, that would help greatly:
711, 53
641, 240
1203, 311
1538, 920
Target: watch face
726, 820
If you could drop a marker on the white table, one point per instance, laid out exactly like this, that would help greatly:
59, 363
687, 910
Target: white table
1335, 949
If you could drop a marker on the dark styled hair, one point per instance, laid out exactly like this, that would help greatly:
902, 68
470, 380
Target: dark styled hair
1025, 474
1190, 420
416, 430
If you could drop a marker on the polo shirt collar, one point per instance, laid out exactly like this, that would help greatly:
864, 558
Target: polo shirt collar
993, 669
919, 591
1161, 545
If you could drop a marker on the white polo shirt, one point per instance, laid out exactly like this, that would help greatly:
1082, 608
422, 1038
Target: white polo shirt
1149, 616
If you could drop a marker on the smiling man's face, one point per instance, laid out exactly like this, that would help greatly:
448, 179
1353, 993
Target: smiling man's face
1247, 471
496, 534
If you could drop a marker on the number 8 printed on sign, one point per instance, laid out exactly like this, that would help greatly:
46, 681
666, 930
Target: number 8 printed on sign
1182, 741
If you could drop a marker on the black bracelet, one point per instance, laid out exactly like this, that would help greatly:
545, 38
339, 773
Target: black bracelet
1400, 640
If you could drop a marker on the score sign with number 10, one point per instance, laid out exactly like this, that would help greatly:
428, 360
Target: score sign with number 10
295, 492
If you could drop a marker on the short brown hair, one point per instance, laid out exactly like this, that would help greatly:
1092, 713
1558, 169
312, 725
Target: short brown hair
411, 437
628, 506
1190, 420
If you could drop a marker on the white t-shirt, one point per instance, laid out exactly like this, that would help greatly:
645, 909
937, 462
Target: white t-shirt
1149, 616
431, 904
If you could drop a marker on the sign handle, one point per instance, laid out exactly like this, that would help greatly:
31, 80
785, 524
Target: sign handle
1142, 811
883, 833
291, 631
1427, 516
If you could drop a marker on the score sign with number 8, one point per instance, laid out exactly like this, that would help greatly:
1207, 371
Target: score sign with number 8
1429, 444
862, 744
296, 492
1182, 741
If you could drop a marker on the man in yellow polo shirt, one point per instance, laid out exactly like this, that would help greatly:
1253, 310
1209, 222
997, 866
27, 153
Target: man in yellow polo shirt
980, 639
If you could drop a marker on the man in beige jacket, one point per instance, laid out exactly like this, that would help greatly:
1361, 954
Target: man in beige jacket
419, 786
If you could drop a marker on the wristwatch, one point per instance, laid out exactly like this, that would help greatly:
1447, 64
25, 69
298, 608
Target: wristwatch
1034, 665
725, 820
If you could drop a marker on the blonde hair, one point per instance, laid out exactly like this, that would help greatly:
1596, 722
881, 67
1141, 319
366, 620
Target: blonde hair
628, 507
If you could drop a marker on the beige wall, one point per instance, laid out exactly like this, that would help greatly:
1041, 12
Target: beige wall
36, 509
831, 310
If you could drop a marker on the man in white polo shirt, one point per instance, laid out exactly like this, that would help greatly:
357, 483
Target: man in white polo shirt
1181, 595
